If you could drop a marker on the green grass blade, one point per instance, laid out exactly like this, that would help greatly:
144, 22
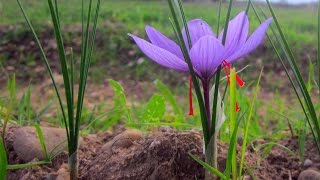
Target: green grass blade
28, 165
318, 50
28, 105
219, 17
47, 65
82, 68
42, 141
231, 150
207, 166
286, 70
43, 111
183, 47
64, 67
185, 23
3, 160
246, 130
233, 120
89, 58
71, 74
299, 78
217, 76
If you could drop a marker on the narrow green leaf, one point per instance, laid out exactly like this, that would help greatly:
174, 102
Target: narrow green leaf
47, 65
64, 69
42, 141
247, 124
207, 166
3, 160
154, 110
219, 17
233, 121
28, 165
318, 50
298, 76
217, 76
286, 70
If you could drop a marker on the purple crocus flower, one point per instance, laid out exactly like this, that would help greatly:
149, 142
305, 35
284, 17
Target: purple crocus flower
207, 51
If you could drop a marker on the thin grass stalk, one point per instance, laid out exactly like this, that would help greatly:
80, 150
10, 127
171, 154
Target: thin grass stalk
298, 76
318, 50
3, 159
219, 17
246, 130
288, 75
231, 164
48, 68
87, 66
28, 165
72, 76
212, 127
217, 77
191, 70
286, 70
83, 67
233, 117
64, 69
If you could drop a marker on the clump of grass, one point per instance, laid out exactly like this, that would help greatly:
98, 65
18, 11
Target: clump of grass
73, 112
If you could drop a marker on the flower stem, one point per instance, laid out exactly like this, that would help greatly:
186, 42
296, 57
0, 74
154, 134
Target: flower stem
206, 97
211, 150
73, 166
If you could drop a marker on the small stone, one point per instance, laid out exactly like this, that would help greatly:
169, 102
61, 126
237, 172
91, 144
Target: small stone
27, 146
123, 140
63, 173
307, 163
309, 174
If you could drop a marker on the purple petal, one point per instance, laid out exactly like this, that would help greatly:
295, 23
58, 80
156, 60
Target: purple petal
197, 29
159, 55
253, 42
162, 41
206, 55
238, 29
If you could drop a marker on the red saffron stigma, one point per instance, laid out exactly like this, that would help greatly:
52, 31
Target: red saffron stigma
240, 82
237, 107
226, 71
227, 68
190, 97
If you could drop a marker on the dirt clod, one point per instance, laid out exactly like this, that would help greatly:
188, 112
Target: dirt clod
309, 174
123, 140
163, 155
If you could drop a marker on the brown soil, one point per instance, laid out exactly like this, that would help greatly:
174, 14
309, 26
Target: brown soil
163, 155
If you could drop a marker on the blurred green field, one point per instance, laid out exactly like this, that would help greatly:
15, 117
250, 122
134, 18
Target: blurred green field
299, 23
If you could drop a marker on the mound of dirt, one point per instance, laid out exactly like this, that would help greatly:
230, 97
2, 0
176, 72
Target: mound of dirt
164, 154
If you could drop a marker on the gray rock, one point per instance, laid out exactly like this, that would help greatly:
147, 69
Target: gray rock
309, 174
27, 146
307, 163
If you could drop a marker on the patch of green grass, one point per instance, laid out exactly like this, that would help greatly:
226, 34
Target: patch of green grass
136, 14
